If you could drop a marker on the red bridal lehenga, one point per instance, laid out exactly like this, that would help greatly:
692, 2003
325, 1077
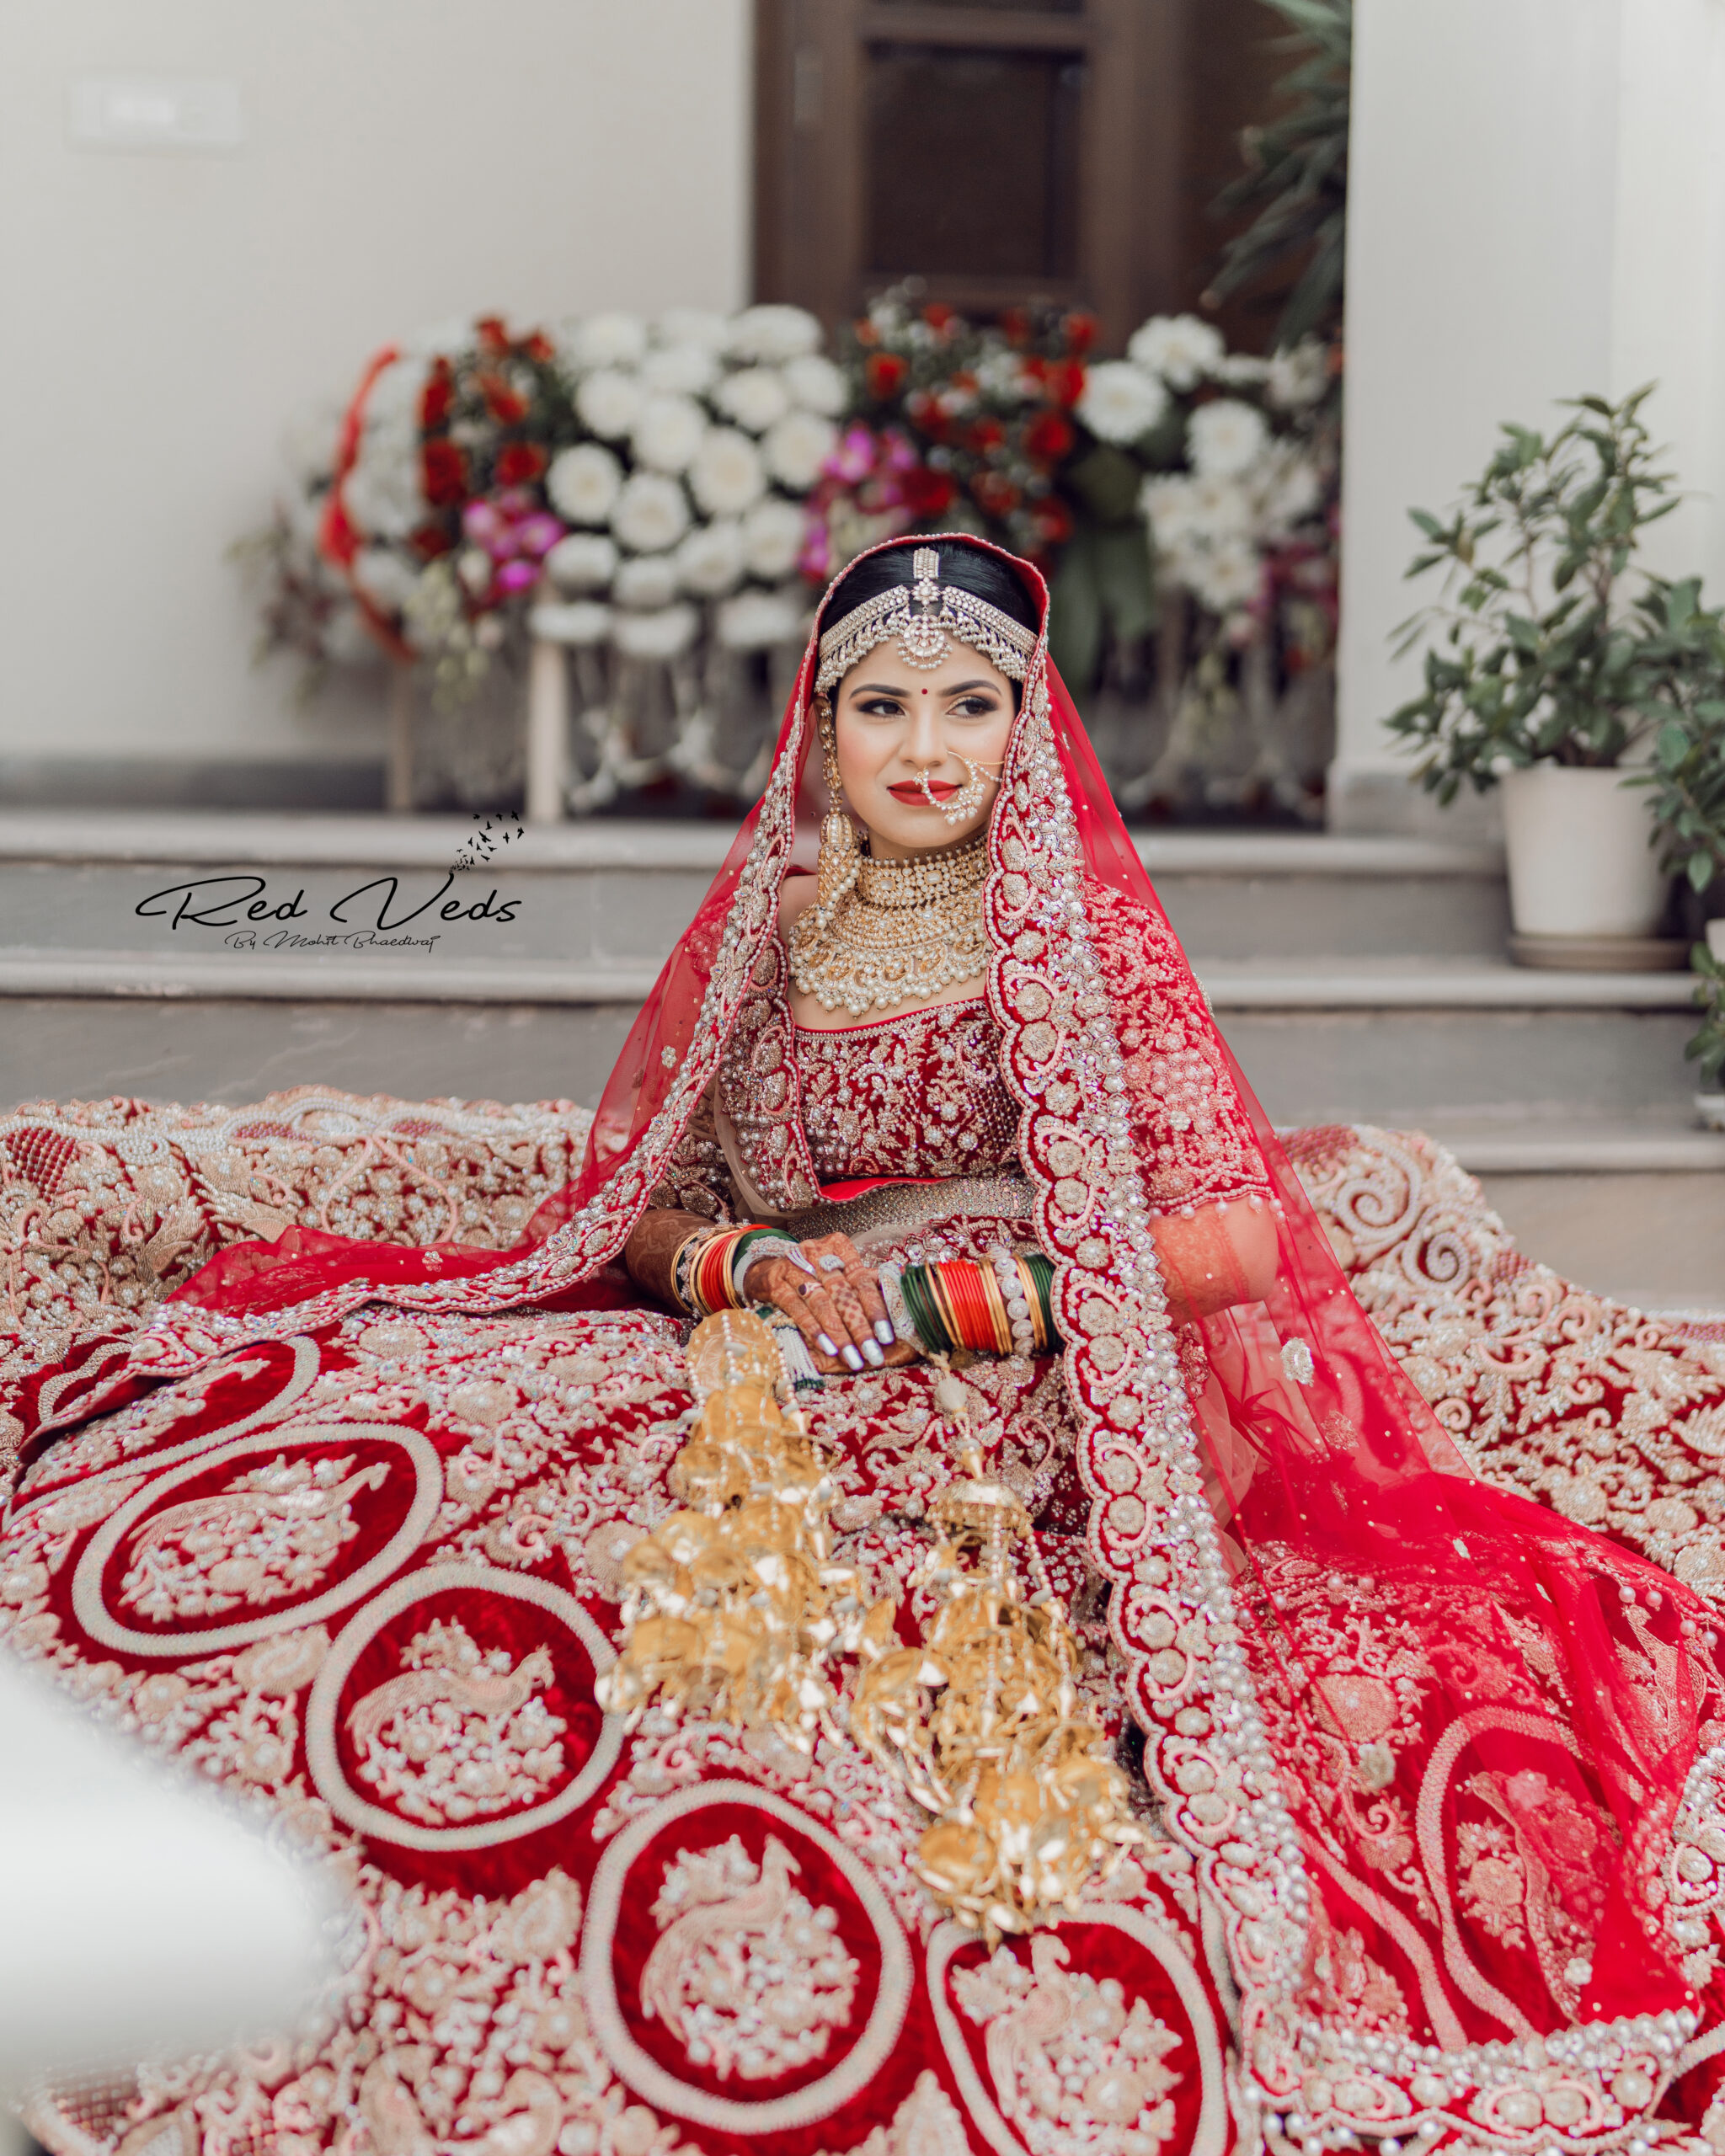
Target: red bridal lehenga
1432, 1848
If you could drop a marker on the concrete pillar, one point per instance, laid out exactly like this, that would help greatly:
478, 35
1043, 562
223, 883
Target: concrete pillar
1537, 209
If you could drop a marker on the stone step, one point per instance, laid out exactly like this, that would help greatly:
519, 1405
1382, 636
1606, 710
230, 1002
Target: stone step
1387, 1001
617, 890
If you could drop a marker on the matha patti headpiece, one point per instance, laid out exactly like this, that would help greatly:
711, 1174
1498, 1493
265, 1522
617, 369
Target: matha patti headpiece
924, 618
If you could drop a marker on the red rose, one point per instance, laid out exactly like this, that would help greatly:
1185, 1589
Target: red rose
446, 473
1048, 438
1015, 325
994, 493
494, 337
1079, 329
507, 405
987, 434
430, 541
882, 372
936, 316
538, 346
927, 493
1053, 521
436, 398
519, 463
1065, 381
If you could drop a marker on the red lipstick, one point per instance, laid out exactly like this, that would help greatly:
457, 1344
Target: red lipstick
910, 791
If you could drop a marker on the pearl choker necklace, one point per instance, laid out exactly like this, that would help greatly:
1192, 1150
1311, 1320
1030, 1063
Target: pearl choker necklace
906, 929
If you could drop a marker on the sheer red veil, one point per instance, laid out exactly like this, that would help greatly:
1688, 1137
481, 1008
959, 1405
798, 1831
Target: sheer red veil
1433, 1748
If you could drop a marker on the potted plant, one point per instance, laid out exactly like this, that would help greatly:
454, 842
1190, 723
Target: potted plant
1546, 670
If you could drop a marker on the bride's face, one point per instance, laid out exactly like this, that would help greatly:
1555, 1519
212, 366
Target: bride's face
895, 723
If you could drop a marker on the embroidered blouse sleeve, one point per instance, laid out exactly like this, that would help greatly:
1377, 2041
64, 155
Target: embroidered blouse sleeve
1190, 1124
698, 1179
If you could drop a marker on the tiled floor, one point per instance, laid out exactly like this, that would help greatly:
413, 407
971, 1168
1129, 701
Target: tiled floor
1657, 1241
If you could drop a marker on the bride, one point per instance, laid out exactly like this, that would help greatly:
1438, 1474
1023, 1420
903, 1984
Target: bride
1411, 1831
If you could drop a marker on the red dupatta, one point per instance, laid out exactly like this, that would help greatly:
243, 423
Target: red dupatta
1434, 1750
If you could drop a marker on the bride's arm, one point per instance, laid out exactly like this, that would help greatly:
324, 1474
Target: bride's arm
659, 1233
1221, 1255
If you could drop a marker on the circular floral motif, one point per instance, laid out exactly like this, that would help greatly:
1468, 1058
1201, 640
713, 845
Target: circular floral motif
751, 1974
268, 1537
463, 1741
1077, 2061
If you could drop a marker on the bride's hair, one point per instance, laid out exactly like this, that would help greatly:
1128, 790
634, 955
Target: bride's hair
968, 566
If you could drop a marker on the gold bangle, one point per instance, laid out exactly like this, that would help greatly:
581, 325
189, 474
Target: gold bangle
680, 1293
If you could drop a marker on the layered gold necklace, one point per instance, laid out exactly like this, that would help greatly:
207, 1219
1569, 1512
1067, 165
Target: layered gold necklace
903, 930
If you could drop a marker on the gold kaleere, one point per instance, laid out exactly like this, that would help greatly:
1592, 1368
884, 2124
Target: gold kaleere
984, 1722
734, 1608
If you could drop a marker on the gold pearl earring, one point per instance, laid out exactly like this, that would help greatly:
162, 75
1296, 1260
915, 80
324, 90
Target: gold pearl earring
840, 858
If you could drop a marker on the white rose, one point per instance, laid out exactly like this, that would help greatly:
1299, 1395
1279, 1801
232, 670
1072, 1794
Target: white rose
1299, 377
1290, 489
774, 334
797, 447
1224, 439
680, 370
383, 496
650, 580
754, 620
1166, 503
587, 561
1120, 401
476, 569
584, 621
584, 482
691, 325
610, 404
662, 635
1220, 509
1001, 373
668, 433
1229, 576
607, 340
816, 384
726, 475
772, 537
652, 514
710, 560
754, 396
1244, 369
1177, 347
388, 579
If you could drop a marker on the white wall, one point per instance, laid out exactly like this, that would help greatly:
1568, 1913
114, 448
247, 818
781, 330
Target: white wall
1536, 209
166, 314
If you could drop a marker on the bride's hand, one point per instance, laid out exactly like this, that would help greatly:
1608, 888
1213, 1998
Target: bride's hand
836, 1303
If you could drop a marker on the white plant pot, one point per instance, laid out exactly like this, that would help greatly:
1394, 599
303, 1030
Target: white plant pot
1581, 861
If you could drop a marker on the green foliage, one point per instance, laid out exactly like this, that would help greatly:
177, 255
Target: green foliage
1297, 178
1708, 1048
1536, 652
1684, 648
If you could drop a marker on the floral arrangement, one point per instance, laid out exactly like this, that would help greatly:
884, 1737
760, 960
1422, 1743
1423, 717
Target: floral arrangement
669, 494
1220, 466
605, 481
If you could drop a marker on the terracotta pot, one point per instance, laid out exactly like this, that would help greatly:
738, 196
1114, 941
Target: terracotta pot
1581, 858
